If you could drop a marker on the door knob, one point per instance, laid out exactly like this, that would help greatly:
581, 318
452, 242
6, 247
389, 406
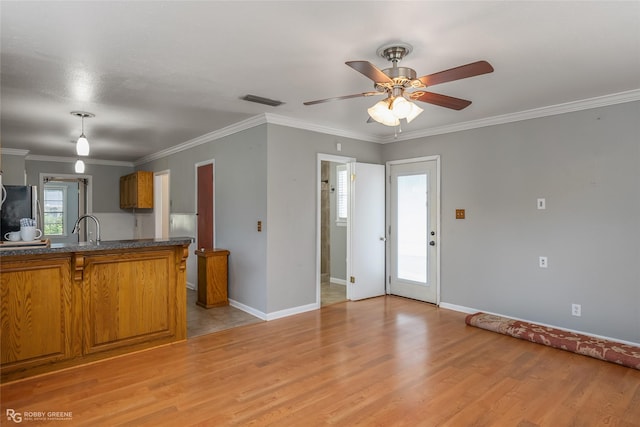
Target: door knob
432, 243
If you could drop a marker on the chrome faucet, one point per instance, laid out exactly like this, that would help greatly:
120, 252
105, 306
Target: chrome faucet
76, 227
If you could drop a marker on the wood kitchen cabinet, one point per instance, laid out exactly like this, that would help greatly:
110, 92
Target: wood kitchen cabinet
128, 299
136, 190
39, 324
66, 309
212, 277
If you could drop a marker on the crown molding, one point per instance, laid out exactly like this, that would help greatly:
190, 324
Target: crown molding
57, 159
270, 118
314, 127
553, 110
203, 139
13, 152
261, 119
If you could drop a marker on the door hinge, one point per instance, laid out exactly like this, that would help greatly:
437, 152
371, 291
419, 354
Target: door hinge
353, 177
353, 279
389, 279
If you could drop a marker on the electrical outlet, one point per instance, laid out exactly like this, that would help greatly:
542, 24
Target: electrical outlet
542, 262
576, 310
542, 204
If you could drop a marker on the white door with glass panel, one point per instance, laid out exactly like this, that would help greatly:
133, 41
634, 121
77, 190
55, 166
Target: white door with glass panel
413, 230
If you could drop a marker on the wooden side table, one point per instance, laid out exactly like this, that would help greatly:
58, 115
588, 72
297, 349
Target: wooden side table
212, 277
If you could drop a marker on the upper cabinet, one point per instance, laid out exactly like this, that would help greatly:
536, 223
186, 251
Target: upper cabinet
136, 190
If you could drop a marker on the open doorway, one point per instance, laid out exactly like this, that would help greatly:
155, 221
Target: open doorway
365, 229
64, 198
333, 215
161, 204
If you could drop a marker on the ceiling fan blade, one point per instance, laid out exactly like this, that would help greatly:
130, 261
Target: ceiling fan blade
457, 73
440, 100
369, 70
338, 98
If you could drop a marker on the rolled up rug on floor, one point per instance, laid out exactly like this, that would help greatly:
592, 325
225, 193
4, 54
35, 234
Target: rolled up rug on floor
610, 351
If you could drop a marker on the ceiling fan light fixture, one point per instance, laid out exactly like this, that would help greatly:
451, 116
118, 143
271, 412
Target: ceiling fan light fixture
401, 108
415, 112
381, 113
79, 167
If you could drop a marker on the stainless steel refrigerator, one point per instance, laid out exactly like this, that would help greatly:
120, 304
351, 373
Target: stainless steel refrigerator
18, 201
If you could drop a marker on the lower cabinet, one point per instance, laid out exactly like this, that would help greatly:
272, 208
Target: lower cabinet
66, 310
38, 323
128, 301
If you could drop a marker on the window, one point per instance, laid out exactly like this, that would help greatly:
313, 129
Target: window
54, 210
342, 205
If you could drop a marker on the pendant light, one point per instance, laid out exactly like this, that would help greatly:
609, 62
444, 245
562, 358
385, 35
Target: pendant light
79, 166
82, 146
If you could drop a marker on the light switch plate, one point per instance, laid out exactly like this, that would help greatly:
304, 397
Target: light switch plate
459, 213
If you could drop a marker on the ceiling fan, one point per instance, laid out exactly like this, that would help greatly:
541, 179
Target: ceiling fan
395, 80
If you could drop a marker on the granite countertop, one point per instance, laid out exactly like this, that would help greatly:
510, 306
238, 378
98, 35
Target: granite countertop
101, 246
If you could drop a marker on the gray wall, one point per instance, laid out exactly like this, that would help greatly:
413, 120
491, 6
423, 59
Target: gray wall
240, 201
266, 173
587, 166
105, 180
292, 192
13, 170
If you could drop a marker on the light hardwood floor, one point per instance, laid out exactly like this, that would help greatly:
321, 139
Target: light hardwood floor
386, 361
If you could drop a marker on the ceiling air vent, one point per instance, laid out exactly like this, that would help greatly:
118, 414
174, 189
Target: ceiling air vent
261, 100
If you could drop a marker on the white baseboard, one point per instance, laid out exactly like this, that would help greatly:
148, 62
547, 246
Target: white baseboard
459, 308
291, 311
470, 310
252, 311
337, 281
275, 315
191, 286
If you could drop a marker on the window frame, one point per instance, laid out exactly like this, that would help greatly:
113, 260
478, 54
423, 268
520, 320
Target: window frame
63, 189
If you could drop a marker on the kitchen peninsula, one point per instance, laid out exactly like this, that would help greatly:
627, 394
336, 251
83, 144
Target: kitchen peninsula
70, 304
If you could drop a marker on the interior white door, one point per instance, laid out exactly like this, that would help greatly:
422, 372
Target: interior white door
366, 222
413, 230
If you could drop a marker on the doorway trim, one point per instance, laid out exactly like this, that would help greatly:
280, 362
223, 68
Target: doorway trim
161, 206
88, 195
438, 216
328, 158
213, 199
66, 176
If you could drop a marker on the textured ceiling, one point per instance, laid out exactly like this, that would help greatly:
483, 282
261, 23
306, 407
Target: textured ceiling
157, 74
